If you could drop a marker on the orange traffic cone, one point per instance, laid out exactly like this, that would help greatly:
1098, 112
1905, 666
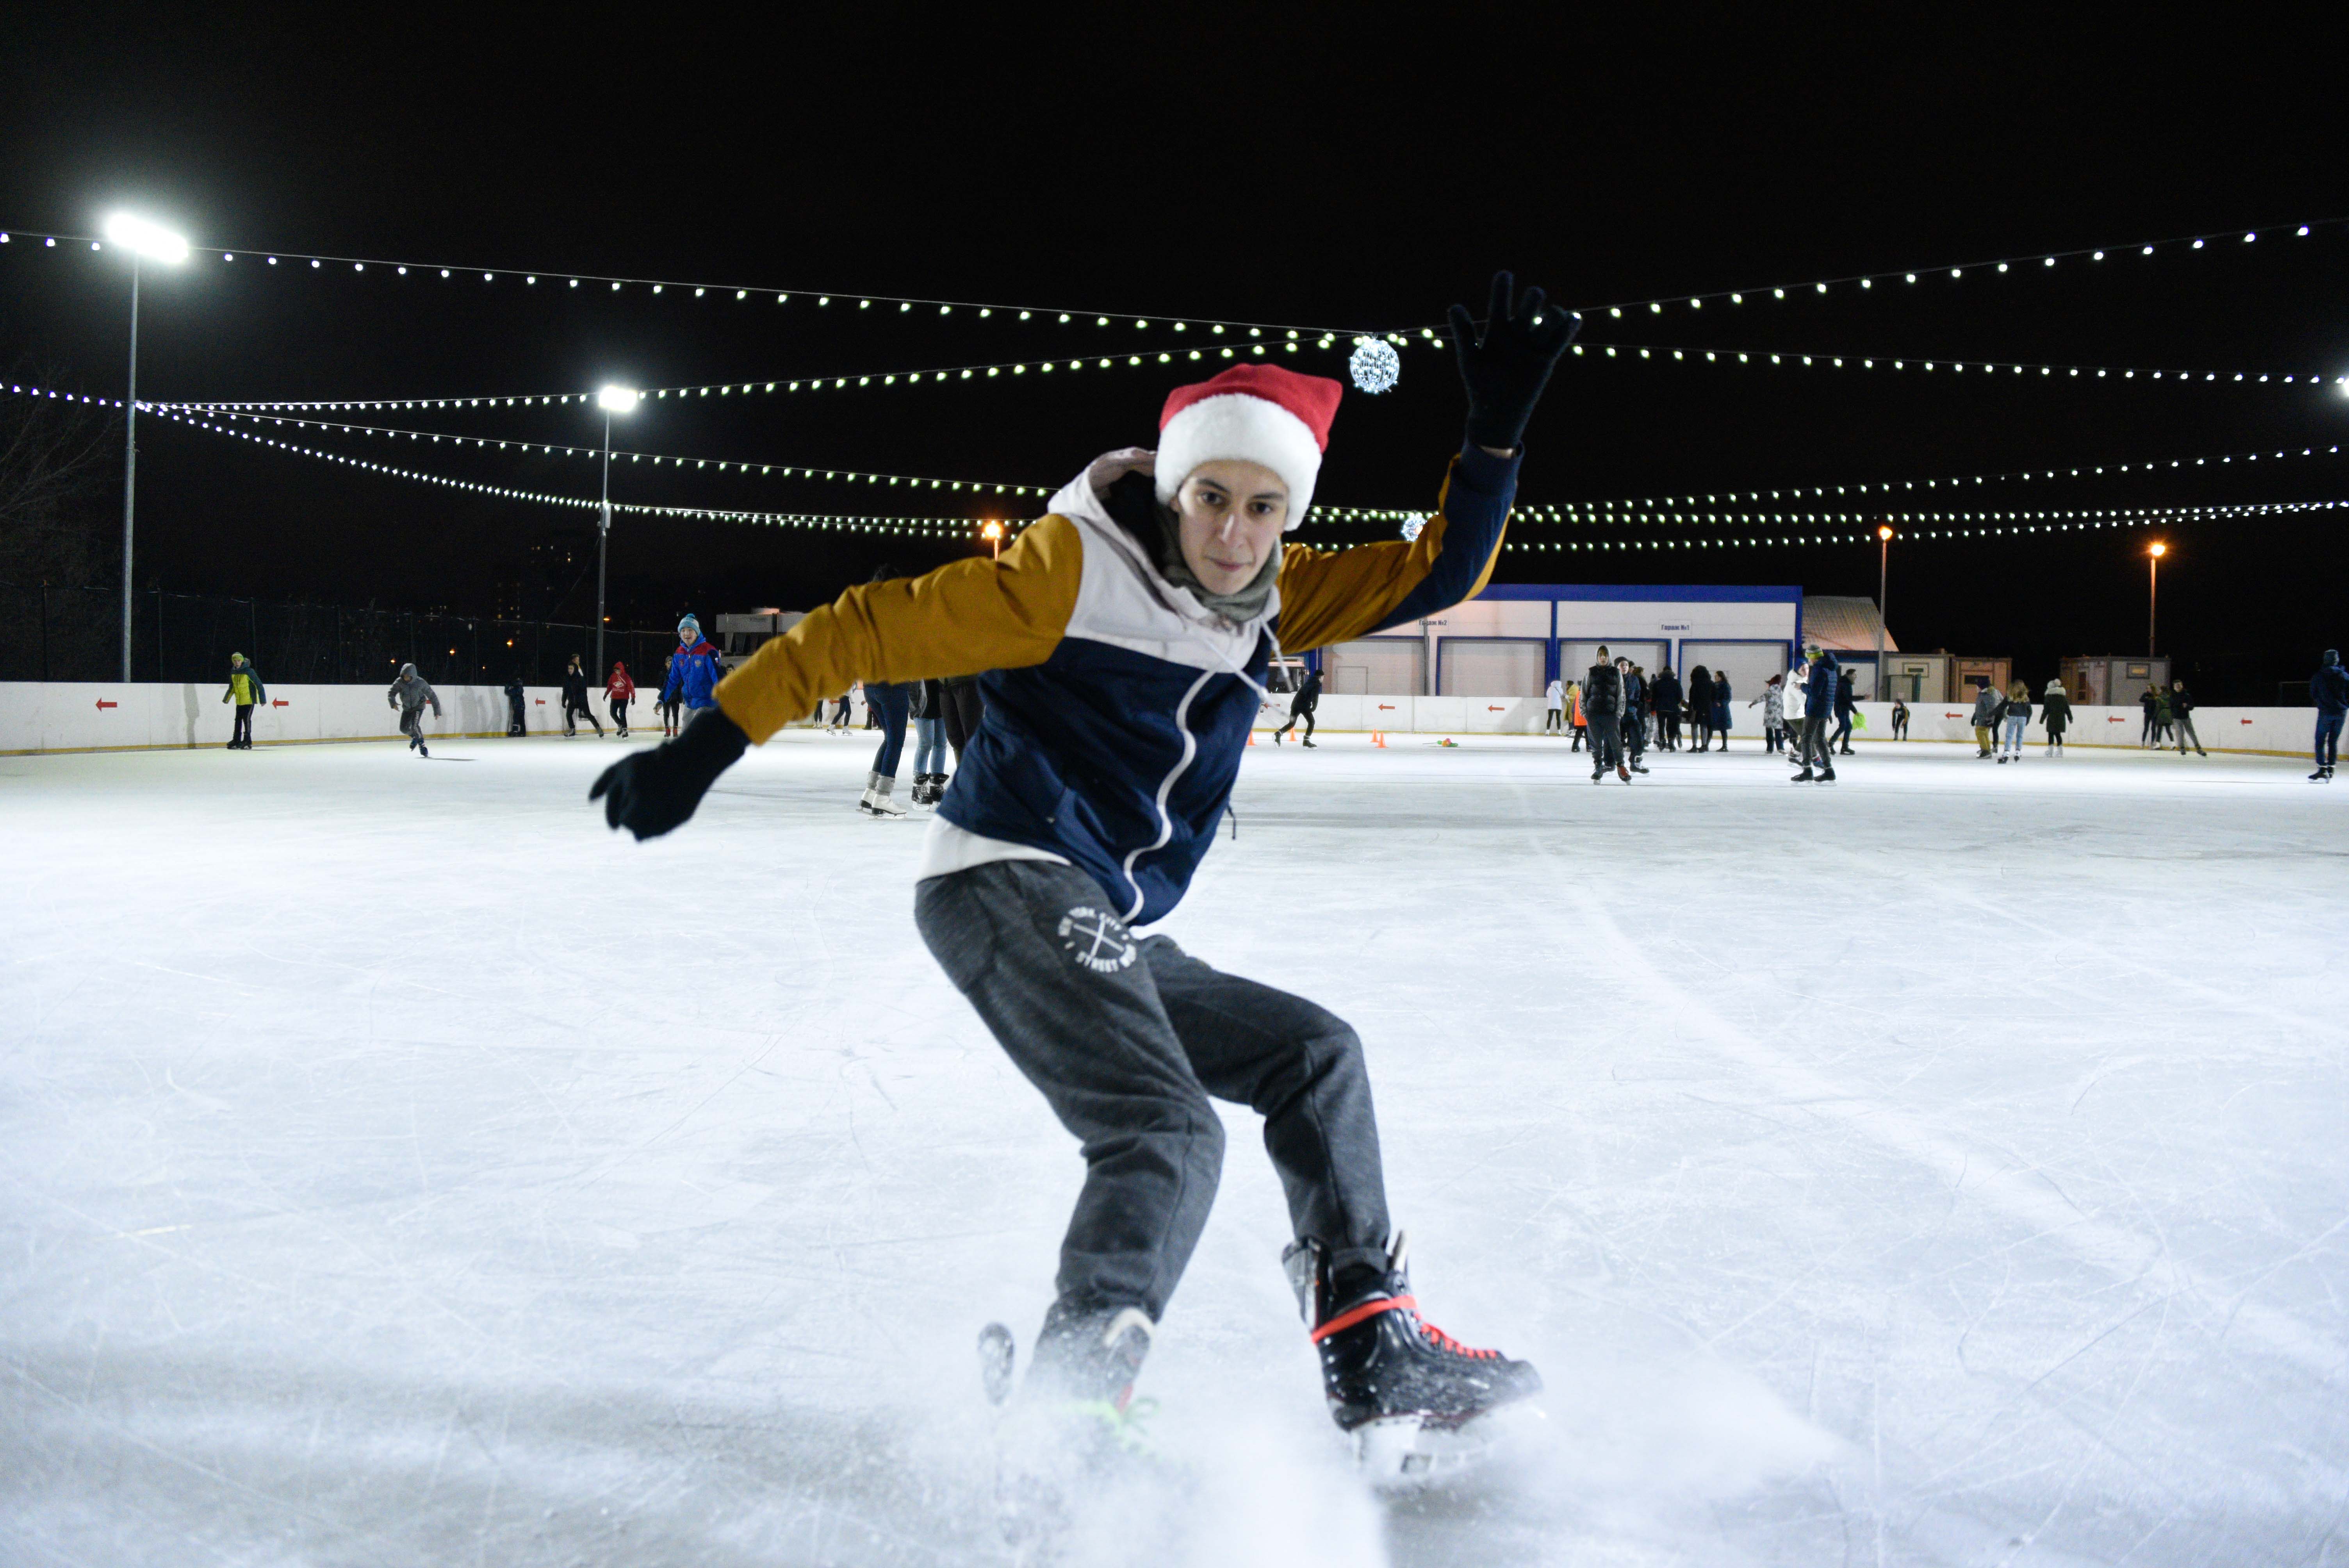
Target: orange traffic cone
1378, 738
1251, 740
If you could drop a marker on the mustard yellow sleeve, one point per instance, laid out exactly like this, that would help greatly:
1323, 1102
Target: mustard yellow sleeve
960, 620
1333, 596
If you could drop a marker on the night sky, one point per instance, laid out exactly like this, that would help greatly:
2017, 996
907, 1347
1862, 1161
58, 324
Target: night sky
1310, 167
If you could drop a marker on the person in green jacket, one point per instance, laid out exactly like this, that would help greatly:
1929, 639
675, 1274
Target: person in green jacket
244, 689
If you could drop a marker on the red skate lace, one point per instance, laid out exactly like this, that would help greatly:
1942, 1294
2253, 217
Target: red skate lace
1428, 1331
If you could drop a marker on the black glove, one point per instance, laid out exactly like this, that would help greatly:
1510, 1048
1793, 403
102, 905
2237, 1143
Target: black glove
653, 791
1508, 368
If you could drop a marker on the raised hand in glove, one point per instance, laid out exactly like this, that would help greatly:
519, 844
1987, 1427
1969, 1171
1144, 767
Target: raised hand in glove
650, 792
1506, 369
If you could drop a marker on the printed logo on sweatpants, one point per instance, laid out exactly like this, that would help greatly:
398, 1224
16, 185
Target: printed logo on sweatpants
1097, 940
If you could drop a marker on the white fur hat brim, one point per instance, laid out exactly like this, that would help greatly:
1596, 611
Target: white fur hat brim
1238, 425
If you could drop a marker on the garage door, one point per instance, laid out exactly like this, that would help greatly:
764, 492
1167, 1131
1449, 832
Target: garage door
1491, 666
1750, 665
1391, 666
1575, 659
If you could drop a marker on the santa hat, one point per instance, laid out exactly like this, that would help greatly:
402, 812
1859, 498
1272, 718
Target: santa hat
1258, 413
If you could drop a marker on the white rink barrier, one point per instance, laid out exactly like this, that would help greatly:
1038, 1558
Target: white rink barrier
102, 717
2276, 731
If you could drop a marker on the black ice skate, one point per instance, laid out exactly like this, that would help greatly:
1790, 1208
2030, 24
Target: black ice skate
1416, 1401
1073, 1428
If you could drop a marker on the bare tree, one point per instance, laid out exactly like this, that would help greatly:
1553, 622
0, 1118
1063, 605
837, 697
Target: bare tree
54, 481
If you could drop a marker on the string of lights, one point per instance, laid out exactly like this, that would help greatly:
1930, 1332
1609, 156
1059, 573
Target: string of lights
723, 465
2159, 517
926, 526
1845, 283
611, 283
2042, 261
1787, 357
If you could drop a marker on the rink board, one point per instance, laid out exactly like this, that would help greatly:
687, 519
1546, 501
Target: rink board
99, 717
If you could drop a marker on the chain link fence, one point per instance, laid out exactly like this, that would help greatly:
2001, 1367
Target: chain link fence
75, 635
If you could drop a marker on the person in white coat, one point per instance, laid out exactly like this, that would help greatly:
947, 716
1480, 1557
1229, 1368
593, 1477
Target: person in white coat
1790, 701
1555, 724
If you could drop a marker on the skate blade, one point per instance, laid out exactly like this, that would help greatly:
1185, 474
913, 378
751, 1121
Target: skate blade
1404, 1452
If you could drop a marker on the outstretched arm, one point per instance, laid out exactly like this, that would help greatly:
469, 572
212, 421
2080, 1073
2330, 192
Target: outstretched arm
960, 620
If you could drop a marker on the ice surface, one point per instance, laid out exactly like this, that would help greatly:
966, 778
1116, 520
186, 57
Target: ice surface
1947, 1167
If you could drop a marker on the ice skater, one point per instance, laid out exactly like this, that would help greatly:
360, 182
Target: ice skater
2328, 689
1602, 716
1900, 720
1721, 696
2016, 716
1846, 707
2181, 716
574, 700
1125, 637
244, 689
409, 694
1792, 706
2054, 715
1635, 715
693, 670
1699, 704
1574, 719
1774, 712
1819, 708
1554, 707
1990, 703
618, 690
927, 700
515, 693
1301, 705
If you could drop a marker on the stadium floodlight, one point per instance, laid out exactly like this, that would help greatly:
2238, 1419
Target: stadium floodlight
613, 398
2153, 554
1883, 595
991, 530
151, 243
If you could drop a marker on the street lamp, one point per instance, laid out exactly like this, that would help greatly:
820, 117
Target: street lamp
1883, 583
143, 241
992, 532
2153, 554
612, 400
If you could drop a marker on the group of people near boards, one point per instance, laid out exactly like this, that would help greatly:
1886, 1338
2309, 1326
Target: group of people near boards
1620, 710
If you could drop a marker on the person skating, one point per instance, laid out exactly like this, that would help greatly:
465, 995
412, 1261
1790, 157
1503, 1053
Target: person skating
2181, 716
1847, 704
574, 699
1700, 707
1602, 717
2328, 689
244, 689
409, 694
1125, 637
1664, 694
1635, 713
1774, 712
1574, 719
2054, 715
1791, 700
1900, 720
515, 696
617, 692
2016, 716
1989, 705
965, 707
926, 701
1720, 699
1818, 709
693, 671
2151, 701
1554, 707
1302, 706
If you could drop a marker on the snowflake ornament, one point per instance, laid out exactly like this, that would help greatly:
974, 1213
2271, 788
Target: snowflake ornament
1375, 366
1412, 525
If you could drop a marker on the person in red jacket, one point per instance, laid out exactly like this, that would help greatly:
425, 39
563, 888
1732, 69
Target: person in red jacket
618, 690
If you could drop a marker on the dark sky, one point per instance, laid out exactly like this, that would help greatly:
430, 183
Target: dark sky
1320, 166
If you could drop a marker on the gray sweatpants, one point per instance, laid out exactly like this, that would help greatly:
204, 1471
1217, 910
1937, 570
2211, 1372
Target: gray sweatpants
1127, 1037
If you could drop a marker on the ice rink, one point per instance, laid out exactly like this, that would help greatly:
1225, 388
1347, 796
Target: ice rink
1948, 1166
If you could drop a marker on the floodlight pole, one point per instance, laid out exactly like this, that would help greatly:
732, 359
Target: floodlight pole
2152, 591
1883, 587
603, 537
130, 467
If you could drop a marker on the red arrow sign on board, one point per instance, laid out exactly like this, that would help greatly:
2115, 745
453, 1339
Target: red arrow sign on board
279, 702
2110, 719
103, 703
1490, 708
539, 700
1386, 707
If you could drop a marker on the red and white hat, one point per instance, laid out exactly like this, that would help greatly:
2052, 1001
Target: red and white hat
1258, 413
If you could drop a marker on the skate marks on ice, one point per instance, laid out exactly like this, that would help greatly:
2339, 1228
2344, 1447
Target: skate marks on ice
147, 1455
